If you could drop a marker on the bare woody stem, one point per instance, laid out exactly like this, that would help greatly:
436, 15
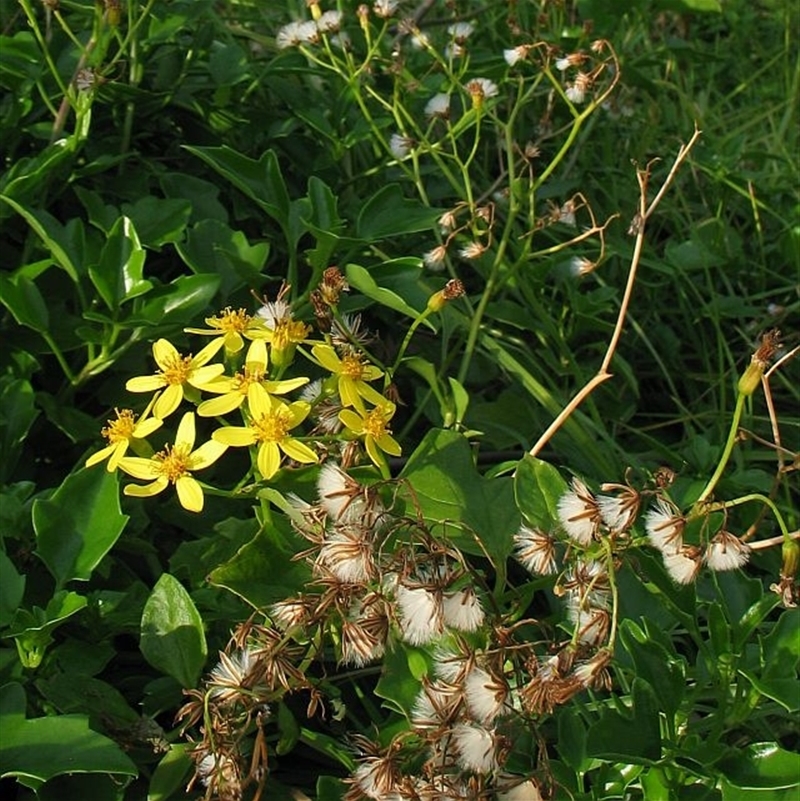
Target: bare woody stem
640, 221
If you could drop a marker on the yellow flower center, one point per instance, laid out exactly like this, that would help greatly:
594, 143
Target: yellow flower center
231, 320
271, 427
353, 367
178, 370
174, 462
121, 428
241, 381
375, 424
289, 332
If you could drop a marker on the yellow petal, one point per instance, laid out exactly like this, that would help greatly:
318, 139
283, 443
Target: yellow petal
164, 353
257, 354
202, 376
216, 407
145, 383
207, 454
284, 386
95, 458
373, 396
258, 401
190, 494
120, 451
297, 412
220, 385
139, 468
148, 490
327, 357
352, 421
269, 459
208, 352
144, 428
348, 391
168, 401
374, 452
234, 435
386, 442
298, 451
185, 437
233, 342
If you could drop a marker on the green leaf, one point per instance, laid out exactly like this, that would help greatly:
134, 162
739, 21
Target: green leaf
29, 178
17, 413
360, 278
760, 766
119, 274
212, 246
12, 588
663, 672
170, 773
288, 730
477, 513
180, 302
571, 742
79, 787
23, 299
172, 636
32, 630
65, 243
397, 685
782, 646
633, 737
270, 553
388, 213
538, 486
78, 525
260, 180
158, 220
783, 691
41, 748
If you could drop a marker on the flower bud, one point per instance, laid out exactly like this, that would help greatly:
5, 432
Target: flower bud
751, 378
790, 551
453, 289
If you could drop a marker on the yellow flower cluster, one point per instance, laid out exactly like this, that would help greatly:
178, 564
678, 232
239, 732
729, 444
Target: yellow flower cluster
252, 384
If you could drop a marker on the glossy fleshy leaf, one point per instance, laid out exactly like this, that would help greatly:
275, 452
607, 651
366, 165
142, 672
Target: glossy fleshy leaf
119, 274
35, 749
461, 504
761, 766
538, 486
171, 773
389, 213
78, 525
630, 737
32, 630
264, 571
172, 635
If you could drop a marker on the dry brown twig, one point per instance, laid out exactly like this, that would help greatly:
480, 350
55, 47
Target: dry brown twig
638, 226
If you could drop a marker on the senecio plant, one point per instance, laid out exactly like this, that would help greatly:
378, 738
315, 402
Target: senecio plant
496, 616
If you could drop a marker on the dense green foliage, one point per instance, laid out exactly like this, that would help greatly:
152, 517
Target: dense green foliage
165, 162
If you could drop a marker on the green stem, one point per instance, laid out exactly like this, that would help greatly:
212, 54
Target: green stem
726, 453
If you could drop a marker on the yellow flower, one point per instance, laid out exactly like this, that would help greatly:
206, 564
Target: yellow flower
283, 332
234, 390
174, 465
176, 371
353, 373
373, 426
231, 326
271, 422
121, 432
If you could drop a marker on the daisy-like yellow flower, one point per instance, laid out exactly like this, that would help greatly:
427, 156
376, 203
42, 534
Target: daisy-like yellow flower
234, 390
174, 465
270, 424
373, 425
283, 332
231, 326
121, 432
353, 372
175, 371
